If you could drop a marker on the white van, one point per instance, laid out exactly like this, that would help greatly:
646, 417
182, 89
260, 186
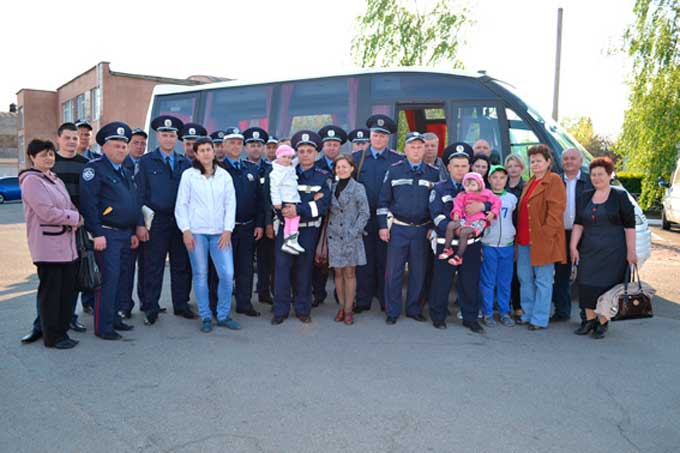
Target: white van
670, 212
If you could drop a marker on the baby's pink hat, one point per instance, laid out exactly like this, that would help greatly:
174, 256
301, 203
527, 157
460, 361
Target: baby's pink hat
284, 150
476, 176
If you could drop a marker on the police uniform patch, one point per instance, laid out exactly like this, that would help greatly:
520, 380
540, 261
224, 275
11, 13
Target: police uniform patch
120, 131
256, 134
88, 174
192, 131
167, 122
236, 131
460, 148
220, 134
331, 133
360, 134
381, 122
433, 195
305, 137
250, 177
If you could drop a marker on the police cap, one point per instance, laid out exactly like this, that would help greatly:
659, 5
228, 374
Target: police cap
333, 133
83, 123
217, 136
359, 135
233, 132
139, 131
273, 139
167, 123
458, 149
255, 134
192, 130
381, 123
114, 131
413, 136
306, 137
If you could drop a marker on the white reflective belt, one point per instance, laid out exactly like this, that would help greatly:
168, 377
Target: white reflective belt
308, 189
455, 241
314, 223
401, 182
382, 211
399, 222
447, 198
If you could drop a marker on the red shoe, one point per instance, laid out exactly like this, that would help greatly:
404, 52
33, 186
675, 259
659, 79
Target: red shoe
349, 319
447, 252
340, 316
456, 260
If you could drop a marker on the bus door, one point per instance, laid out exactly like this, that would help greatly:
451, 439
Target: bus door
428, 117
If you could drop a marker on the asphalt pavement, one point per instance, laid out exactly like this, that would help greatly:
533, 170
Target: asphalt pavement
326, 387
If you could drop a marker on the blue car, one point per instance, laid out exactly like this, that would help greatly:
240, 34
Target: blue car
9, 189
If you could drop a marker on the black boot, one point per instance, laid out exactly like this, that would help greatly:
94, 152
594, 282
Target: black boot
600, 330
586, 327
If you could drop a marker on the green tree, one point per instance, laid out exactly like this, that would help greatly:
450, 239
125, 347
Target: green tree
651, 128
581, 128
404, 33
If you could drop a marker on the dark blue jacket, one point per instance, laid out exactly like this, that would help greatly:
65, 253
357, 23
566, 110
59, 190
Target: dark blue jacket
405, 193
263, 168
372, 176
129, 165
441, 204
310, 182
108, 199
249, 192
323, 165
156, 185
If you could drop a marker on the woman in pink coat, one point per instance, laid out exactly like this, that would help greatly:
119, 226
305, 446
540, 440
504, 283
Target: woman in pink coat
51, 221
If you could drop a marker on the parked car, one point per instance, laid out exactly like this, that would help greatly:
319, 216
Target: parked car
9, 189
670, 212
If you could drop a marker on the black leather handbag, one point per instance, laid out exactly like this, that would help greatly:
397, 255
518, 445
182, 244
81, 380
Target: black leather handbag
634, 304
89, 275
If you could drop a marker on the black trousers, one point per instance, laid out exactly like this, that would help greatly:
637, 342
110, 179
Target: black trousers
56, 292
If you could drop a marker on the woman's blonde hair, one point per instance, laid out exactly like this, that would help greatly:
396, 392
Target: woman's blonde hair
517, 158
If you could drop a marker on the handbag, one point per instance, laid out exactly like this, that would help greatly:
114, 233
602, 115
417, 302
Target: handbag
634, 303
89, 275
321, 252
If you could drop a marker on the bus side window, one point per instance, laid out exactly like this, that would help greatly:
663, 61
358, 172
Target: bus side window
521, 137
472, 122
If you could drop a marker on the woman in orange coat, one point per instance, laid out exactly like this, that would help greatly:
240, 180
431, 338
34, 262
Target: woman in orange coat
540, 237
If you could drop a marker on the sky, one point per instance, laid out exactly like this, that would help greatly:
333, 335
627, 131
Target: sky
512, 40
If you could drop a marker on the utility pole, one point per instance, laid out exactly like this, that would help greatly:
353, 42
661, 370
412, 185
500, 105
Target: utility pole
558, 57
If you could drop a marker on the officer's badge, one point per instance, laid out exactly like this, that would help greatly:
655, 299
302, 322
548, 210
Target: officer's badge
220, 134
331, 133
433, 194
256, 134
460, 148
381, 122
305, 137
120, 131
192, 131
167, 122
360, 134
236, 131
416, 134
88, 173
250, 177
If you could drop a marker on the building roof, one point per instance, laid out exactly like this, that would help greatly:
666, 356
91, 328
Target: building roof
8, 115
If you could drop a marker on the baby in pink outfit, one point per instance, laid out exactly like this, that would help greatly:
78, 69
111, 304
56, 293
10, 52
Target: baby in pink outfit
468, 227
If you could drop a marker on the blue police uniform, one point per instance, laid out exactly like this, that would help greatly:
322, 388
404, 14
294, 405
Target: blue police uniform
297, 269
249, 215
467, 287
265, 246
405, 195
110, 207
125, 301
157, 184
371, 277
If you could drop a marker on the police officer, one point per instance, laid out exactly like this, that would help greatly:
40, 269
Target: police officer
270, 148
109, 204
136, 149
255, 139
157, 183
84, 140
456, 157
332, 139
359, 139
298, 268
249, 223
189, 133
372, 164
218, 140
404, 194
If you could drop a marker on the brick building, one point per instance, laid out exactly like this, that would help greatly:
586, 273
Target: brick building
99, 95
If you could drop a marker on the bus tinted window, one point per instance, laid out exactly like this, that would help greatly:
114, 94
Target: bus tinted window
426, 87
316, 103
240, 107
472, 122
183, 106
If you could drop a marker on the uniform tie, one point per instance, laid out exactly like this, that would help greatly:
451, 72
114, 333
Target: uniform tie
168, 164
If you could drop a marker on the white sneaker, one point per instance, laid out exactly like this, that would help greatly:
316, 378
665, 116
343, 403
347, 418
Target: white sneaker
294, 244
287, 249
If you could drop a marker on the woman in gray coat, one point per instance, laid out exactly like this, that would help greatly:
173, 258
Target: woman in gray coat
347, 219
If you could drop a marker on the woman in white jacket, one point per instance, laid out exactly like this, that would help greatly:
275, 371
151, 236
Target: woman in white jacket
205, 213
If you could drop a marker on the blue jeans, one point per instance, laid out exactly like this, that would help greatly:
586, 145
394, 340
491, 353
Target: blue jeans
224, 264
497, 268
535, 288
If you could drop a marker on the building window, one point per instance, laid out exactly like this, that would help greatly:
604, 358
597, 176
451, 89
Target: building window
80, 107
68, 111
96, 96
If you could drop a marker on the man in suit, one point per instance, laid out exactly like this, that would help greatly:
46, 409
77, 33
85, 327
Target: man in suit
576, 181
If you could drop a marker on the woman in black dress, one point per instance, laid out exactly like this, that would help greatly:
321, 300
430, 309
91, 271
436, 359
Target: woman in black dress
605, 228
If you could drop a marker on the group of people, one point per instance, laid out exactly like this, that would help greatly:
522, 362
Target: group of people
513, 244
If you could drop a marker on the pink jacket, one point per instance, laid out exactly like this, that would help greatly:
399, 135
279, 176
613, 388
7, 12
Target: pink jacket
485, 196
51, 217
